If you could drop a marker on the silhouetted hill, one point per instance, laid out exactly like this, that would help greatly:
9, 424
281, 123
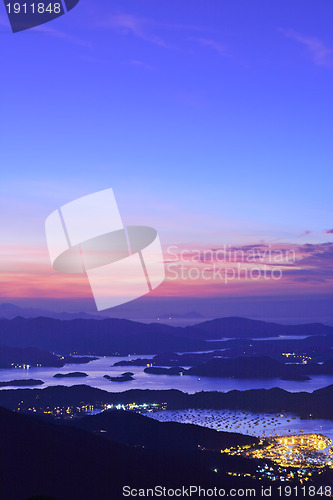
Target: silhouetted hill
133, 429
175, 370
318, 403
125, 377
104, 337
66, 463
171, 359
110, 336
250, 328
239, 367
15, 356
71, 374
256, 367
21, 383
11, 311
319, 347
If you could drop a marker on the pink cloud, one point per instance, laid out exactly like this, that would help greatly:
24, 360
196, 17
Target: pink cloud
136, 26
140, 64
321, 54
65, 36
218, 47
27, 272
306, 233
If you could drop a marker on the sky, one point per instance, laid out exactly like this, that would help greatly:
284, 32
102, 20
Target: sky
212, 122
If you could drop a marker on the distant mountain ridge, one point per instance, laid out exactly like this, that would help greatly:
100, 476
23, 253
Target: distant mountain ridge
107, 337
119, 336
225, 327
11, 311
251, 328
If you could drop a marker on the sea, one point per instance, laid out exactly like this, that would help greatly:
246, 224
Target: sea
190, 384
255, 424
245, 422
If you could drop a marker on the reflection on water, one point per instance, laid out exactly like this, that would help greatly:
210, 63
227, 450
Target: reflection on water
259, 339
190, 384
245, 422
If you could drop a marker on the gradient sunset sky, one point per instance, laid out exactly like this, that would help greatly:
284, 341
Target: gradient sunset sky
212, 121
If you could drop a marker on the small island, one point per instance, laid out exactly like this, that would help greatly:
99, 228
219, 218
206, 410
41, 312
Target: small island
124, 377
71, 374
175, 370
296, 378
21, 383
77, 360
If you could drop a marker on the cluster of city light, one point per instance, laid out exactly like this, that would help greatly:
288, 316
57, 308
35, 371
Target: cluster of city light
290, 457
71, 411
146, 407
23, 366
138, 407
308, 450
305, 359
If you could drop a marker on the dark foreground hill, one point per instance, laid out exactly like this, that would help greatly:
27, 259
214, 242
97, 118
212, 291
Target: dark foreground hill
134, 429
40, 458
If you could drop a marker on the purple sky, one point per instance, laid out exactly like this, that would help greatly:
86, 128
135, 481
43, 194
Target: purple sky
211, 121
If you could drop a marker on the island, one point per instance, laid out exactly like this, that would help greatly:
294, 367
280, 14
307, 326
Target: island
296, 378
21, 383
71, 374
25, 357
77, 360
124, 377
175, 370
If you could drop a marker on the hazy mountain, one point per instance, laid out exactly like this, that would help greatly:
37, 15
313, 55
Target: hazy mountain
86, 336
249, 328
11, 311
110, 336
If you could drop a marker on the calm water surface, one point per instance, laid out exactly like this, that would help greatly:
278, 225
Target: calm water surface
190, 384
245, 422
